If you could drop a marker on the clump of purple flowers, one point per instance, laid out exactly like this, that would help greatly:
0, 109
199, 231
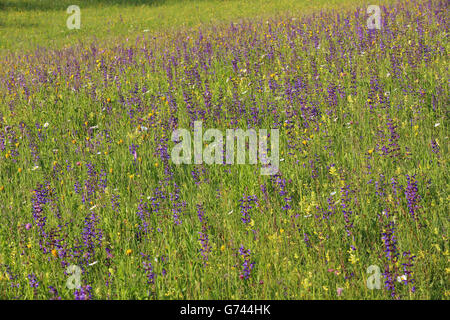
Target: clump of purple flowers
178, 205
407, 269
115, 202
412, 196
84, 293
143, 213
91, 235
39, 199
306, 239
148, 268
54, 293
280, 184
246, 206
393, 147
434, 146
95, 182
33, 281
247, 266
390, 242
12, 277
390, 248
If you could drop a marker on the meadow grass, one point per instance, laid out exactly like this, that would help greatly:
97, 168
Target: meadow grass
26, 25
86, 177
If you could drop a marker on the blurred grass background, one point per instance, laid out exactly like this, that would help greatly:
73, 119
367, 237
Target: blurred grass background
28, 24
